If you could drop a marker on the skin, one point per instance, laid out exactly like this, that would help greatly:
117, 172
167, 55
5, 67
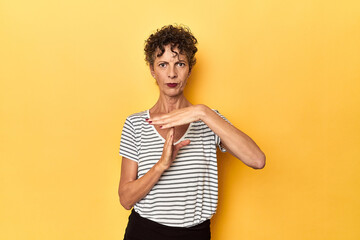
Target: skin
171, 116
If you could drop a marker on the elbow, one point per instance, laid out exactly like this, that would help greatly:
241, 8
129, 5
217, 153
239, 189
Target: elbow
259, 162
125, 203
126, 206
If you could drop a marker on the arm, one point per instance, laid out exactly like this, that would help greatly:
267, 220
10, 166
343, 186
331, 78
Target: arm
132, 190
235, 141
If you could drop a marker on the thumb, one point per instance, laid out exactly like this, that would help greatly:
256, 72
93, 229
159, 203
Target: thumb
180, 145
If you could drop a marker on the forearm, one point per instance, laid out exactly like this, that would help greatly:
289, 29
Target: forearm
133, 191
235, 141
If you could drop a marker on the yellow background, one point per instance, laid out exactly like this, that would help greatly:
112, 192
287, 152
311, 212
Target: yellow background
285, 72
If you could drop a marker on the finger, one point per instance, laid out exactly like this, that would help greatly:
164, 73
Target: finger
160, 121
171, 132
167, 155
170, 137
169, 141
169, 125
160, 117
174, 123
166, 116
171, 120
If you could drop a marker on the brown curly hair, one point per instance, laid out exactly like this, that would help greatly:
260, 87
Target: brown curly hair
177, 36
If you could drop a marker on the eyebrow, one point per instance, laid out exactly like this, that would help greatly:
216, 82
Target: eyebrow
162, 61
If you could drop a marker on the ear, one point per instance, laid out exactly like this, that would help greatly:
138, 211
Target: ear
189, 73
151, 67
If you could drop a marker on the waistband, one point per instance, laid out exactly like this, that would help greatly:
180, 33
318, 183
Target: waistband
201, 226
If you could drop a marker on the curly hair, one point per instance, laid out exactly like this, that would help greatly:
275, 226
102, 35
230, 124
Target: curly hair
177, 36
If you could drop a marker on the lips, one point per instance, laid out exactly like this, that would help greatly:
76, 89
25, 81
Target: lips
171, 85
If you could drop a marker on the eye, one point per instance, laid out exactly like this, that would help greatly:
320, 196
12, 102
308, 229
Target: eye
162, 65
181, 64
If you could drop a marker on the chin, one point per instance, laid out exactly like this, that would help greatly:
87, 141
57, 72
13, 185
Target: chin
173, 93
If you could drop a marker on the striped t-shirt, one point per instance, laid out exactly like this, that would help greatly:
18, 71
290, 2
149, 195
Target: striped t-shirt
187, 193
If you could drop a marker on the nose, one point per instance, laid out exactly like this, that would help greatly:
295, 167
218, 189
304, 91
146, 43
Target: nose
172, 72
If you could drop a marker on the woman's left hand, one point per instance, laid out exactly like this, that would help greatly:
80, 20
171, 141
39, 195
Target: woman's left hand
178, 117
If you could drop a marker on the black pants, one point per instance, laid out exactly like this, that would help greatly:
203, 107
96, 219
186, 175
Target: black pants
140, 228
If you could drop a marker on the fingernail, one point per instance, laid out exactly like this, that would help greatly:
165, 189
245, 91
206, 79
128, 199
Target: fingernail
146, 119
160, 127
149, 121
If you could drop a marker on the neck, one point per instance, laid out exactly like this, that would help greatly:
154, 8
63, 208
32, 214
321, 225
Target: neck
167, 104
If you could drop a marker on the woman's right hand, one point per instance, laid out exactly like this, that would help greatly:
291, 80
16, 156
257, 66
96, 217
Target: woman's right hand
170, 150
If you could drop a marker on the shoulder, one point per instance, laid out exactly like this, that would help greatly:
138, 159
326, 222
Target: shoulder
137, 117
215, 111
222, 116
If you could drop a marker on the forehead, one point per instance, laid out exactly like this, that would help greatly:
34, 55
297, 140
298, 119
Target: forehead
169, 55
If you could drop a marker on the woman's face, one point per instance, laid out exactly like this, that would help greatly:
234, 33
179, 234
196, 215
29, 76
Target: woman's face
171, 71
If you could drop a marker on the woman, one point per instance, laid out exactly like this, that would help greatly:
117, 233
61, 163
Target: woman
169, 167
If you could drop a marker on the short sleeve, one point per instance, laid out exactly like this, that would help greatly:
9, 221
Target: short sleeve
128, 146
217, 138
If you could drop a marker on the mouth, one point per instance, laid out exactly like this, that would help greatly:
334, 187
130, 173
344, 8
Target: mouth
172, 85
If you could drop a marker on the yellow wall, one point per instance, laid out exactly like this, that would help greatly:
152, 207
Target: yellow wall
285, 72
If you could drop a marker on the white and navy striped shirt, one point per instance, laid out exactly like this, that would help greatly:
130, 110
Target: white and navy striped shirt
187, 193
